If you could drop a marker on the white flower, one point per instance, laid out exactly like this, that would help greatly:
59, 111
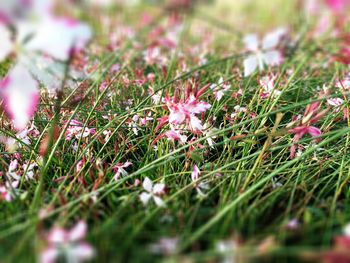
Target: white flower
264, 53
152, 192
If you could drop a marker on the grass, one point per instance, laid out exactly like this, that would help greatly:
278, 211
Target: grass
242, 203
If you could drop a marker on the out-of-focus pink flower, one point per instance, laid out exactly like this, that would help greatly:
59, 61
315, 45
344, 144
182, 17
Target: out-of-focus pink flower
343, 84
165, 246
67, 243
264, 52
20, 95
38, 30
338, 6
5, 194
199, 186
195, 173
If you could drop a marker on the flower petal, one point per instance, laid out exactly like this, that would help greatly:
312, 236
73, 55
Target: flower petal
195, 123
273, 58
81, 252
78, 232
313, 131
251, 42
56, 37
195, 173
147, 185
250, 65
20, 93
144, 197
176, 117
272, 39
159, 202
49, 255
158, 188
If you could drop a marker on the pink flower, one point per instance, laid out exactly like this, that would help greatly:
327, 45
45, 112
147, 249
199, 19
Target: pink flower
5, 193
264, 53
220, 88
338, 6
186, 111
75, 129
152, 192
199, 186
267, 83
343, 84
195, 173
67, 243
311, 116
119, 169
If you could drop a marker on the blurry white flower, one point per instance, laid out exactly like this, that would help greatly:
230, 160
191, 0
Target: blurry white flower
152, 192
264, 52
67, 243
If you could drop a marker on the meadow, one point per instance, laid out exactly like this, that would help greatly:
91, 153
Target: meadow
174, 131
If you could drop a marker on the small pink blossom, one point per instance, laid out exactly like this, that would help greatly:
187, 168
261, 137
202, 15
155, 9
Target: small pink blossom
220, 88
181, 112
267, 83
77, 130
119, 169
199, 186
311, 116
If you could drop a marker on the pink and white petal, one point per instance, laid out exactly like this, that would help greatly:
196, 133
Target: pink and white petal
176, 117
251, 42
49, 255
313, 131
195, 173
219, 94
250, 65
335, 102
20, 94
12, 10
78, 232
127, 164
6, 44
57, 235
195, 123
200, 107
56, 37
144, 197
147, 185
159, 202
158, 188
272, 39
273, 58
